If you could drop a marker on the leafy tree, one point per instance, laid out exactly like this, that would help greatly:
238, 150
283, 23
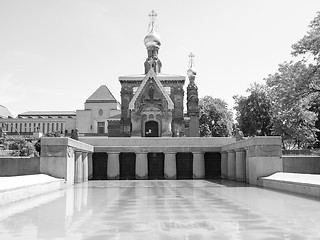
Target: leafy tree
290, 104
310, 44
215, 118
294, 90
253, 113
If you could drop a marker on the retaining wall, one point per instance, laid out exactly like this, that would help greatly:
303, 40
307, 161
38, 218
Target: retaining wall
301, 164
17, 166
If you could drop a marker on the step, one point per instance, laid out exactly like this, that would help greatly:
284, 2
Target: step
307, 184
16, 188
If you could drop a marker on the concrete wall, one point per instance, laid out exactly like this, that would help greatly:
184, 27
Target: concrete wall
163, 144
17, 166
262, 158
65, 158
301, 164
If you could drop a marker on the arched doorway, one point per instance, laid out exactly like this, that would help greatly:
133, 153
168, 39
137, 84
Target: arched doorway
151, 129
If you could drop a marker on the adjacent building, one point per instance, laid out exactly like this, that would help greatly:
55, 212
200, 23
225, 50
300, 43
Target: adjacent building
152, 105
100, 108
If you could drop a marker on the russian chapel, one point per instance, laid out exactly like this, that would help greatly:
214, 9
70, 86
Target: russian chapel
152, 103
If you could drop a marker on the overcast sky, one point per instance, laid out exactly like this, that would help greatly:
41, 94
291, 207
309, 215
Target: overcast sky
55, 54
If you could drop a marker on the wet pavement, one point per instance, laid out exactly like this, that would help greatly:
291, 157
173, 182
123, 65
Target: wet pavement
168, 210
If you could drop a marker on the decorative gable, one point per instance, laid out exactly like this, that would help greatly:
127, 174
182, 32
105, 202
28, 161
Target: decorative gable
151, 91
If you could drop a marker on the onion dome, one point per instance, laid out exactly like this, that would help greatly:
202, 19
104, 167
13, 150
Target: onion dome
152, 39
191, 71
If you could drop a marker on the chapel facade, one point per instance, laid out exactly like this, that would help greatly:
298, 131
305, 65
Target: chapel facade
152, 104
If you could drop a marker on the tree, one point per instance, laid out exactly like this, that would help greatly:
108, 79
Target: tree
292, 118
310, 43
308, 83
215, 118
253, 113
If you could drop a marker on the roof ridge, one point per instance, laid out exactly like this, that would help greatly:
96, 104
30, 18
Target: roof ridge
103, 93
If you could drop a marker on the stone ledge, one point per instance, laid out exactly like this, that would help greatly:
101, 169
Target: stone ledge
306, 184
23, 187
65, 141
254, 141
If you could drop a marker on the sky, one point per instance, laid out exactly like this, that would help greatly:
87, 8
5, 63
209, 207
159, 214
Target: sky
55, 54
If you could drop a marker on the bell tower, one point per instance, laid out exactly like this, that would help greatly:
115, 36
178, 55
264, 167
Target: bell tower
192, 100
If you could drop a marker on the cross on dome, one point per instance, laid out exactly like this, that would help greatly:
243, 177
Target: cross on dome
191, 71
152, 16
191, 63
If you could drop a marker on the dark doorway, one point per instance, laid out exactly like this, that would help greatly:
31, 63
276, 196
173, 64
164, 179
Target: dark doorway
152, 129
184, 162
127, 165
212, 162
99, 165
156, 165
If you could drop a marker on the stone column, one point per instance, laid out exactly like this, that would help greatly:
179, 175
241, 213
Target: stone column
224, 165
78, 176
90, 166
240, 165
198, 165
247, 164
113, 169
85, 166
170, 167
231, 164
142, 166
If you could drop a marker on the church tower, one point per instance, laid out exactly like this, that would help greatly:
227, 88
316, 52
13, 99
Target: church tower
152, 43
192, 100
152, 103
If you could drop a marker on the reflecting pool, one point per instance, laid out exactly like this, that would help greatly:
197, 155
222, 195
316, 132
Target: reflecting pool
182, 209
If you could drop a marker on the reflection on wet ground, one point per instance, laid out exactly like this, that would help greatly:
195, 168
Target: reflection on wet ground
184, 209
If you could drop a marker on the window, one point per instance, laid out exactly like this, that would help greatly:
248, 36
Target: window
52, 126
43, 127
61, 128
48, 127
57, 127
100, 127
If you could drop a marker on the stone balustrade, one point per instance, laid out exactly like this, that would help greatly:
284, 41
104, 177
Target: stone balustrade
249, 159
66, 158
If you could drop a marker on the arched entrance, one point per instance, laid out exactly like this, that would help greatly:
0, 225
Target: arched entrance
151, 129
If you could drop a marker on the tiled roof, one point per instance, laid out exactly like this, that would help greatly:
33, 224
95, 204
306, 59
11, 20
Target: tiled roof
102, 94
47, 113
115, 117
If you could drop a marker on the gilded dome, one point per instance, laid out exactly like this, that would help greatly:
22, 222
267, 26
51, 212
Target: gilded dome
191, 72
152, 39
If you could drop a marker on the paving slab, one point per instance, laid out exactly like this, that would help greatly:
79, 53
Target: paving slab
307, 184
21, 187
